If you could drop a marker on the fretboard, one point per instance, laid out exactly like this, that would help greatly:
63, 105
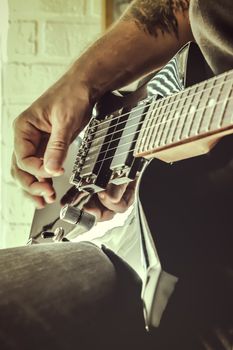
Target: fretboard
199, 110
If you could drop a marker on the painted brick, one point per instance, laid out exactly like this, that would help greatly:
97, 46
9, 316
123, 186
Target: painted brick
22, 38
51, 6
16, 209
9, 113
68, 39
14, 235
61, 6
29, 80
6, 160
96, 7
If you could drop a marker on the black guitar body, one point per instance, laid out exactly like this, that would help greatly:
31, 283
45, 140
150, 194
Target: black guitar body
189, 207
188, 204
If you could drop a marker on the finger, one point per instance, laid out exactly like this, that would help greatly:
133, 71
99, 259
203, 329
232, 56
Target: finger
26, 141
31, 185
118, 198
113, 193
37, 201
129, 194
95, 207
57, 147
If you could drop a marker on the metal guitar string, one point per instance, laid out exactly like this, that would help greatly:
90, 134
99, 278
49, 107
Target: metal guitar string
181, 93
136, 140
152, 124
157, 105
194, 87
169, 120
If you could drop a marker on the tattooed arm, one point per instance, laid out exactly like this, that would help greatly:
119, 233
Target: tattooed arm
145, 38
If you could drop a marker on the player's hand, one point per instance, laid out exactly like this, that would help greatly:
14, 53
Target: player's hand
42, 135
105, 204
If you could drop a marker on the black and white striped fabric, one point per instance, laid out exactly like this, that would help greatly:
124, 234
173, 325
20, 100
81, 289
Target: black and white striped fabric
167, 81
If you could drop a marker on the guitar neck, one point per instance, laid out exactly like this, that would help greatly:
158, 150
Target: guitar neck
197, 116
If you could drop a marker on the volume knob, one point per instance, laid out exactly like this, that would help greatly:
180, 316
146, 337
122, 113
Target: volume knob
78, 216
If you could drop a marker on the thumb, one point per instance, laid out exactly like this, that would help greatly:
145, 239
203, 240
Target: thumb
57, 148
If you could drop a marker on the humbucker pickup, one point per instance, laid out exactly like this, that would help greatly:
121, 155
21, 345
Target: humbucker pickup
106, 152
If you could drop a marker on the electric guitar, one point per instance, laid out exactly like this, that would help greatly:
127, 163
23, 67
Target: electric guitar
165, 133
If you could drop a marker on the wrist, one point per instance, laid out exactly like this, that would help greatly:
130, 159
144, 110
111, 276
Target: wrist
83, 81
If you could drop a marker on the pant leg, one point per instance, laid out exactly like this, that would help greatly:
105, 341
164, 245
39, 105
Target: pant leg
67, 296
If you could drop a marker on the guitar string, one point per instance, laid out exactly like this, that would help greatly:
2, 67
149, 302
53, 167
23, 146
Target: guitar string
164, 106
181, 93
158, 102
213, 82
160, 123
136, 140
152, 124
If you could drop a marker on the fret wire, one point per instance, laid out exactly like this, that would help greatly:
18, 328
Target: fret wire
230, 107
143, 150
132, 150
219, 110
166, 127
169, 141
212, 102
227, 117
182, 119
190, 112
163, 125
206, 116
151, 118
175, 116
142, 136
179, 94
160, 112
219, 78
197, 119
157, 121
164, 116
203, 97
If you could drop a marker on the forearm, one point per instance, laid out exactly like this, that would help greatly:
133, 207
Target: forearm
137, 44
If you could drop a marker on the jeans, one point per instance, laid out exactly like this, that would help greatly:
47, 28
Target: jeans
77, 296
67, 296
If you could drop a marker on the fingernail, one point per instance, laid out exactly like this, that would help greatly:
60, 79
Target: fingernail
101, 195
53, 167
49, 200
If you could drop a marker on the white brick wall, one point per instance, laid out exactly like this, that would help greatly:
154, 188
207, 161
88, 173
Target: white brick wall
3, 51
45, 36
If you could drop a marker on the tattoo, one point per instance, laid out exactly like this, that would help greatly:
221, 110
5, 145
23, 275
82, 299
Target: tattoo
154, 15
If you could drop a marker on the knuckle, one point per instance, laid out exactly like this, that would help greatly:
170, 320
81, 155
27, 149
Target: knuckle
18, 120
15, 123
58, 145
12, 171
21, 165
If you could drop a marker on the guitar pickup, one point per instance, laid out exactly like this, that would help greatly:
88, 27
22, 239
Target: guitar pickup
124, 165
91, 155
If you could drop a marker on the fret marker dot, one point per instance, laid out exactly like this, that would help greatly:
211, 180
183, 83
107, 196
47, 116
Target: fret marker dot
211, 102
192, 109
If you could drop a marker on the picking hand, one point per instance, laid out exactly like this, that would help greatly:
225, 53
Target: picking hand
43, 134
